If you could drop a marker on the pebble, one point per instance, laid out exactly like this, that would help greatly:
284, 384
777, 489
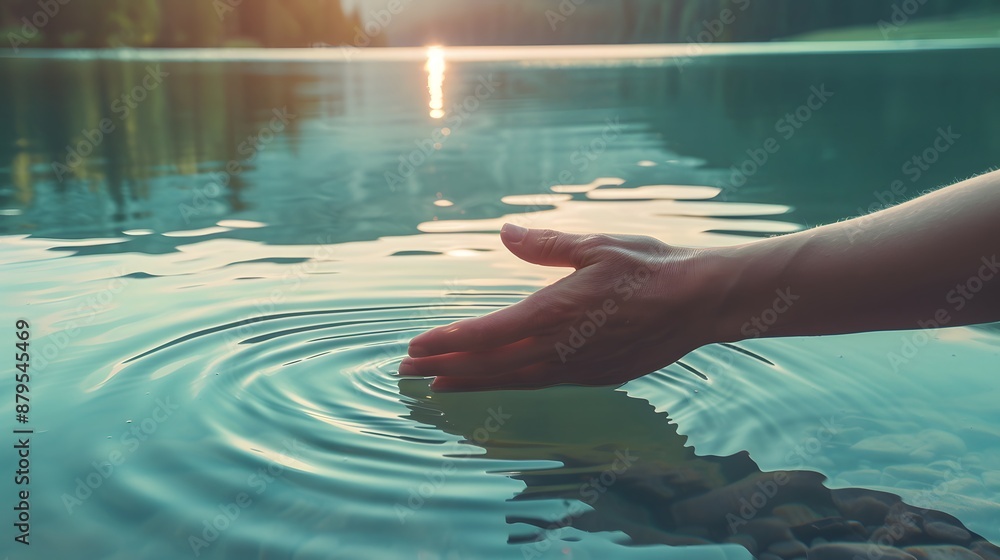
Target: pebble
941, 531
831, 528
849, 551
986, 550
768, 530
942, 552
788, 549
867, 509
796, 514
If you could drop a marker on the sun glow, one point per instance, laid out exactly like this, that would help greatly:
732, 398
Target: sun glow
435, 80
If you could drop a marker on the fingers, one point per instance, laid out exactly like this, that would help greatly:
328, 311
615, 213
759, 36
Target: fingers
549, 248
602, 369
497, 329
487, 363
536, 376
530, 377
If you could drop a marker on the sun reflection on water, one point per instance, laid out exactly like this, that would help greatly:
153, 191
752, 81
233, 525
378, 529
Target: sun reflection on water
435, 81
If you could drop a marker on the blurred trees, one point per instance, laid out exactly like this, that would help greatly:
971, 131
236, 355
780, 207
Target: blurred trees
175, 23
540, 22
300, 23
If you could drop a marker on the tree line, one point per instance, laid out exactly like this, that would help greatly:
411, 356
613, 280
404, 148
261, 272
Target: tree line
175, 23
301, 23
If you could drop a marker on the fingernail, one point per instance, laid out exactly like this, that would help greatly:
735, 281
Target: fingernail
407, 367
417, 352
513, 233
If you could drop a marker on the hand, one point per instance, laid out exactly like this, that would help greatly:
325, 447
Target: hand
633, 305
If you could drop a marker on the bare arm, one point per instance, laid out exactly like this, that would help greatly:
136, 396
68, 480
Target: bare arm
930, 260
635, 305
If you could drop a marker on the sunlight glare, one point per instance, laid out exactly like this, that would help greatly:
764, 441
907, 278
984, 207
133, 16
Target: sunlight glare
435, 80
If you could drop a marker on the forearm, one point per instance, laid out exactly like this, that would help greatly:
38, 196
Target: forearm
929, 262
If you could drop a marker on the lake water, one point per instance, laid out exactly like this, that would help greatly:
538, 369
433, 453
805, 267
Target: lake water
221, 258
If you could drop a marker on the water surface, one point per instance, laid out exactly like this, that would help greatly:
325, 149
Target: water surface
222, 282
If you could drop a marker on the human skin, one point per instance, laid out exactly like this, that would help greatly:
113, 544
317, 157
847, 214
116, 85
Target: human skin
930, 262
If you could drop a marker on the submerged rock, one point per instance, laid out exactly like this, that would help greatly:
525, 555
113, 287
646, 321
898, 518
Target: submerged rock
986, 550
942, 552
796, 514
939, 530
851, 551
868, 508
788, 549
831, 529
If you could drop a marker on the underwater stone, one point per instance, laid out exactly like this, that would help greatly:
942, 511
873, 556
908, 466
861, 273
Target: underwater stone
942, 552
796, 514
768, 530
848, 551
866, 509
941, 531
986, 550
788, 549
830, 528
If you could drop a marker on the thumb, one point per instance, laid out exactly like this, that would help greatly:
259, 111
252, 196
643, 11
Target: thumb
544, 246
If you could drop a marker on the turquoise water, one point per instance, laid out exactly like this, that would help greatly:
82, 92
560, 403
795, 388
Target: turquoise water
220, 285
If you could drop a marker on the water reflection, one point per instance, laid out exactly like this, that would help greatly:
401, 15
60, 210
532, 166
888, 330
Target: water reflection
209, 212
615, 464
354, 123
435, 81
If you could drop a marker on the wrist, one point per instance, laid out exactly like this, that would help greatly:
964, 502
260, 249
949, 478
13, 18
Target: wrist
751, 283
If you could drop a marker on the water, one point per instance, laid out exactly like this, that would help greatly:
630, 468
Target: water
214, 345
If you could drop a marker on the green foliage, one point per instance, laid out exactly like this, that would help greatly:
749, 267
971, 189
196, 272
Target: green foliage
301, 23
182, 23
